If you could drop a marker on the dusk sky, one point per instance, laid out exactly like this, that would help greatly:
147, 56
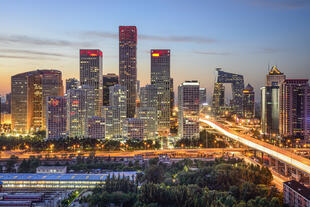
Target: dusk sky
241, 36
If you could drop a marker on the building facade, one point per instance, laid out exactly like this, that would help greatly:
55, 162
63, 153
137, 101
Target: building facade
248, 102
188, 104
108, 80
202, 96
133, 128
96, 127
30, 91
128, 65
160, 78
115, 114
293, 108
56, 117
91, 75
295, 194
72, 83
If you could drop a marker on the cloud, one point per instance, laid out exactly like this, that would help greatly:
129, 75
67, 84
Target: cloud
211, 53
280, 4
268, 50
31, 52
24, 39
184, 39
20, 57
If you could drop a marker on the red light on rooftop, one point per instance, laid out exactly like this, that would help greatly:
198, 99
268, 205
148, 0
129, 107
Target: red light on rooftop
158, 53
92, 53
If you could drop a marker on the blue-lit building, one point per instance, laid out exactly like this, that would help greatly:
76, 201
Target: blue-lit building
55, 181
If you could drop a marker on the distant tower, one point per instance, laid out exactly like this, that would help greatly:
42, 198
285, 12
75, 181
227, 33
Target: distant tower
202, 96
160, 78
128, 65
188, 104
72, 83
108, 80
248, 102
91, 75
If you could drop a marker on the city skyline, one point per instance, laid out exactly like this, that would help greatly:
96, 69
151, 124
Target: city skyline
222, 36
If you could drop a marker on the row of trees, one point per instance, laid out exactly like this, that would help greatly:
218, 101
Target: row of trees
222, 183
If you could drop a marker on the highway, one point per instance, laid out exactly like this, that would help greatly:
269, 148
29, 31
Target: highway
283, 155
177, 152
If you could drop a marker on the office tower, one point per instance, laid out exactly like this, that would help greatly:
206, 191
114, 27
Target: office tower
148, 110
270, 110
91, 75
0, 114
29, 98
133, 128
76, 112
72, 83
56, 117
96, 127
248, 102
160, 78
188, 104
293, 108
128, 65
218, 98
171, 96
237, 86
202, 96
270, 107
108, 80
115, 114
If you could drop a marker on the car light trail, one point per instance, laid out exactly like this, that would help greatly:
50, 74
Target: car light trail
276, 152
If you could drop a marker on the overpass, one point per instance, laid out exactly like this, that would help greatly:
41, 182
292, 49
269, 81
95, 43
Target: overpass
300, 163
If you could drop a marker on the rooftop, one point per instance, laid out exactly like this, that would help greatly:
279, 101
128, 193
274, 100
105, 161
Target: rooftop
298, 187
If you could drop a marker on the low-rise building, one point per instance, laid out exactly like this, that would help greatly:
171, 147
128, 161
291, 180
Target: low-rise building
295, 194
52, 169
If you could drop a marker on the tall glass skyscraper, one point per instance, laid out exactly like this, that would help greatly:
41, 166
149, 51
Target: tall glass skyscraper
91, 75
128, 65
160, 78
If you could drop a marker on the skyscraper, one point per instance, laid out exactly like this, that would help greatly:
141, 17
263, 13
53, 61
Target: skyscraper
56, 117
76, 112
148, 110
115, 114
293, 108
96, 127
202, 96
248, 102
160, 78
128, 65
270, 98
133, 128
188, 104
29, 98
91, 75
237, 86
218, 98
72, 83
108, 80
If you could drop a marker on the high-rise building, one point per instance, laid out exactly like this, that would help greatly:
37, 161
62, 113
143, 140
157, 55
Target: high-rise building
296, 194
293, 108
115, 114
148, 110
171, 96
72, 83
237, 86
218, 100
270, 106
76, 112
29, 98
202, 96
128, 65
108, 80
56, 117
188, 104
96, 127
160, 78
133, 128
91, 75
248, 102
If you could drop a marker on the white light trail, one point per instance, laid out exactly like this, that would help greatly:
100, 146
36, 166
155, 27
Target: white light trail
273, 153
